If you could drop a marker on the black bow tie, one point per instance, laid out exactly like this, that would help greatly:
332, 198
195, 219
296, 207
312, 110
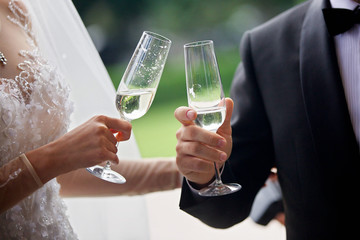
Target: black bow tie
340, 20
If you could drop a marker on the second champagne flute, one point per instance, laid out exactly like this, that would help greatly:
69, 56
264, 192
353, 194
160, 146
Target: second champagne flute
206, 97
137, 88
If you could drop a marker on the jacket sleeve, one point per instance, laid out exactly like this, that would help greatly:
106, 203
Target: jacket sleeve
252, 156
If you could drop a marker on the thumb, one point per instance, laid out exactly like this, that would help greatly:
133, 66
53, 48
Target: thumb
185, 115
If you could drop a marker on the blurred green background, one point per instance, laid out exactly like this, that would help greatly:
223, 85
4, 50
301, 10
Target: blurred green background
116, 26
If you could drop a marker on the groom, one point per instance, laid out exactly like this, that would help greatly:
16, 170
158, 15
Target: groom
297, 107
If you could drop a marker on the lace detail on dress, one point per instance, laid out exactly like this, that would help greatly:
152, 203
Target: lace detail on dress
34, 110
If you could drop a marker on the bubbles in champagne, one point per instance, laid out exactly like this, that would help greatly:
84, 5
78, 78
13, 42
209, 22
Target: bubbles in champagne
133, 104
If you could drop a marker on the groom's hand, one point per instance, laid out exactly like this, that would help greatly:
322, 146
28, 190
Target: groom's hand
197, 149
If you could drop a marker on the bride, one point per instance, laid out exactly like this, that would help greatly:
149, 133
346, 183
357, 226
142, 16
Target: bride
44, 52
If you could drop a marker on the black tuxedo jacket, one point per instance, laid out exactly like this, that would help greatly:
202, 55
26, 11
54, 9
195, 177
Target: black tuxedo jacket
290, 112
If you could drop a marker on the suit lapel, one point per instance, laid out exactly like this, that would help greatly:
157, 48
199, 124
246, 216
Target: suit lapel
323, 91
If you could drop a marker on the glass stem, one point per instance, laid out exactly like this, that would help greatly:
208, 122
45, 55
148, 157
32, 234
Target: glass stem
217, 176
107, 166
106, 169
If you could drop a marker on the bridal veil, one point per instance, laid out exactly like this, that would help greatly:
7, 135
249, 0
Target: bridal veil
64, 40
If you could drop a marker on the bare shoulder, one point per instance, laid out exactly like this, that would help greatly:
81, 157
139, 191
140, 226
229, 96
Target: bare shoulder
4, 5
12, 39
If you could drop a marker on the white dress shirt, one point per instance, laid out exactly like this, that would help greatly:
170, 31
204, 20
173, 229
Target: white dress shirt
348, 53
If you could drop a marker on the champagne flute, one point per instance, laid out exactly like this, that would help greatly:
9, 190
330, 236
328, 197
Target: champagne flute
137, 88
206, 97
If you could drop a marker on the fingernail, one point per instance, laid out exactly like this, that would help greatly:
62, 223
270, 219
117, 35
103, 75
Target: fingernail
113, 130
119, 136
223, 156
221, 143
190, 114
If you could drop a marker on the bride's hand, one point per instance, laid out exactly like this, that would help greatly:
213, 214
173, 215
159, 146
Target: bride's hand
87, 145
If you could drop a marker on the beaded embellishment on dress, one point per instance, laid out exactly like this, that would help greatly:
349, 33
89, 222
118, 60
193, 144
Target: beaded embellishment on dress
3, 60
34, 110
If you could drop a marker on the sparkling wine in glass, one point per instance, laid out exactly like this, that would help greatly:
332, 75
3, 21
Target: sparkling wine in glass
137, 88
206, 97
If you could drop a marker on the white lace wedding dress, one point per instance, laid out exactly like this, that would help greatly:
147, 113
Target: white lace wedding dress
34, 110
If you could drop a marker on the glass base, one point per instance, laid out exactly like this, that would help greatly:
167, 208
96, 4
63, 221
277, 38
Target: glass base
214, 190
106, 174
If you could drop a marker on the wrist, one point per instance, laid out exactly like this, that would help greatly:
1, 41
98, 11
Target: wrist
42, 161
199, 185
31, 170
